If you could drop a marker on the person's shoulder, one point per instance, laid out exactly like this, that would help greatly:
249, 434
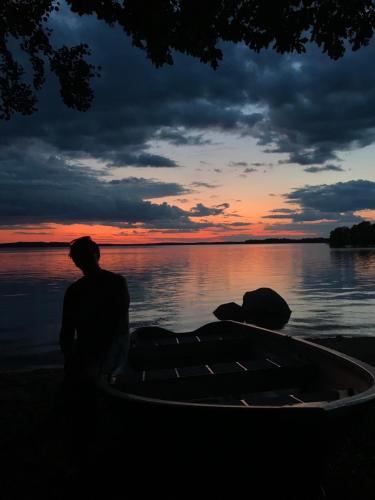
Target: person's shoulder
113, 277
74, 287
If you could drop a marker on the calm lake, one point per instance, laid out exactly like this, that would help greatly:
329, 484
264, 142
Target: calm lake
330, 292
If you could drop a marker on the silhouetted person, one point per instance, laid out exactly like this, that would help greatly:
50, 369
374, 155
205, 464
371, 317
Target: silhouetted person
94, 334
95, 316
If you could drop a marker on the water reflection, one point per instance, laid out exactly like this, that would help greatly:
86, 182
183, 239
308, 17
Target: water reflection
343, 282
329, 291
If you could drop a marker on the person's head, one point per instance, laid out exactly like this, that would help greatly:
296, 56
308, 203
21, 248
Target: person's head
85, 254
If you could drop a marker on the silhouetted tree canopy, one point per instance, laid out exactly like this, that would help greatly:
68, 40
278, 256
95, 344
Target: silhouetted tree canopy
159, 27
359, 235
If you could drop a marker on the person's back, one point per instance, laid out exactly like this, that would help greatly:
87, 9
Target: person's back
95, 315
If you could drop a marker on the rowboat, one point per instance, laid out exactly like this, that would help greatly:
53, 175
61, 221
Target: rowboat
231, 408
227, 366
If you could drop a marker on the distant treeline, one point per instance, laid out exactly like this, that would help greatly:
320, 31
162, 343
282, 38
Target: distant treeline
55, 244
288, 240
359, 235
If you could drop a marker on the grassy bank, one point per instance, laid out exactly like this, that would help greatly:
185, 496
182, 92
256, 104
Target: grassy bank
41, 459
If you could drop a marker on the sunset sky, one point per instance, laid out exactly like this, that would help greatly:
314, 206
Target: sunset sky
265, 146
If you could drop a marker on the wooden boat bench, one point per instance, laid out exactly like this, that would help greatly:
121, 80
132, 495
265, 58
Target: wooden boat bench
184, 350
214, 379
290, 396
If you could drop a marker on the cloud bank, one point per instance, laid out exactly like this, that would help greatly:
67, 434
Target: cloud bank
323, 207
308, 107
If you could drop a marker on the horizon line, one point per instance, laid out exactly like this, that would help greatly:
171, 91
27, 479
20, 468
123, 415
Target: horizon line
316, 239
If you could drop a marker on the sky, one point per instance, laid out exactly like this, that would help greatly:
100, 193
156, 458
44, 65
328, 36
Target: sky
267, 145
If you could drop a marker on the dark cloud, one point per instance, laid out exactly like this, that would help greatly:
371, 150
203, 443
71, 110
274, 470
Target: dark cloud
180, 137
279, 216
341, 197
37, 186
146, 188
239, 224
282, 210
201, 210
184, 225
139, 160
321, 107
306, 214
192, 227
325, 168
198, 184
322, 208
247, 170
322, 229
309, 215
23, 227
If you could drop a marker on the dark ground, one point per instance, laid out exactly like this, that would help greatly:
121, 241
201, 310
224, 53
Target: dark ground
42, 459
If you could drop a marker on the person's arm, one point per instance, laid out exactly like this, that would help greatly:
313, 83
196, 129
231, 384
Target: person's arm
67, 331
123, 308
115, 359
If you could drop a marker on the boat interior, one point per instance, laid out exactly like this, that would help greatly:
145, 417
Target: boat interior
233, 364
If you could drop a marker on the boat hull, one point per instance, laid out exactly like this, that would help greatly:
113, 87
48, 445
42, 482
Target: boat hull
227, 449
172, 375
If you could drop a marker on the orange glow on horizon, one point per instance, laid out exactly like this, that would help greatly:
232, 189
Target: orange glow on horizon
110, 234
241, 220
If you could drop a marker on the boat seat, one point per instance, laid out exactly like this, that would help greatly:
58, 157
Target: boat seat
218, 379
293, 397
191, 338
208, 369
173, 354
270, 398
267, 398
282, 397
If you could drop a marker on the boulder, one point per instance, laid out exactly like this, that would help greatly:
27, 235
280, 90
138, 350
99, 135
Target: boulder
265, 307
230, 310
